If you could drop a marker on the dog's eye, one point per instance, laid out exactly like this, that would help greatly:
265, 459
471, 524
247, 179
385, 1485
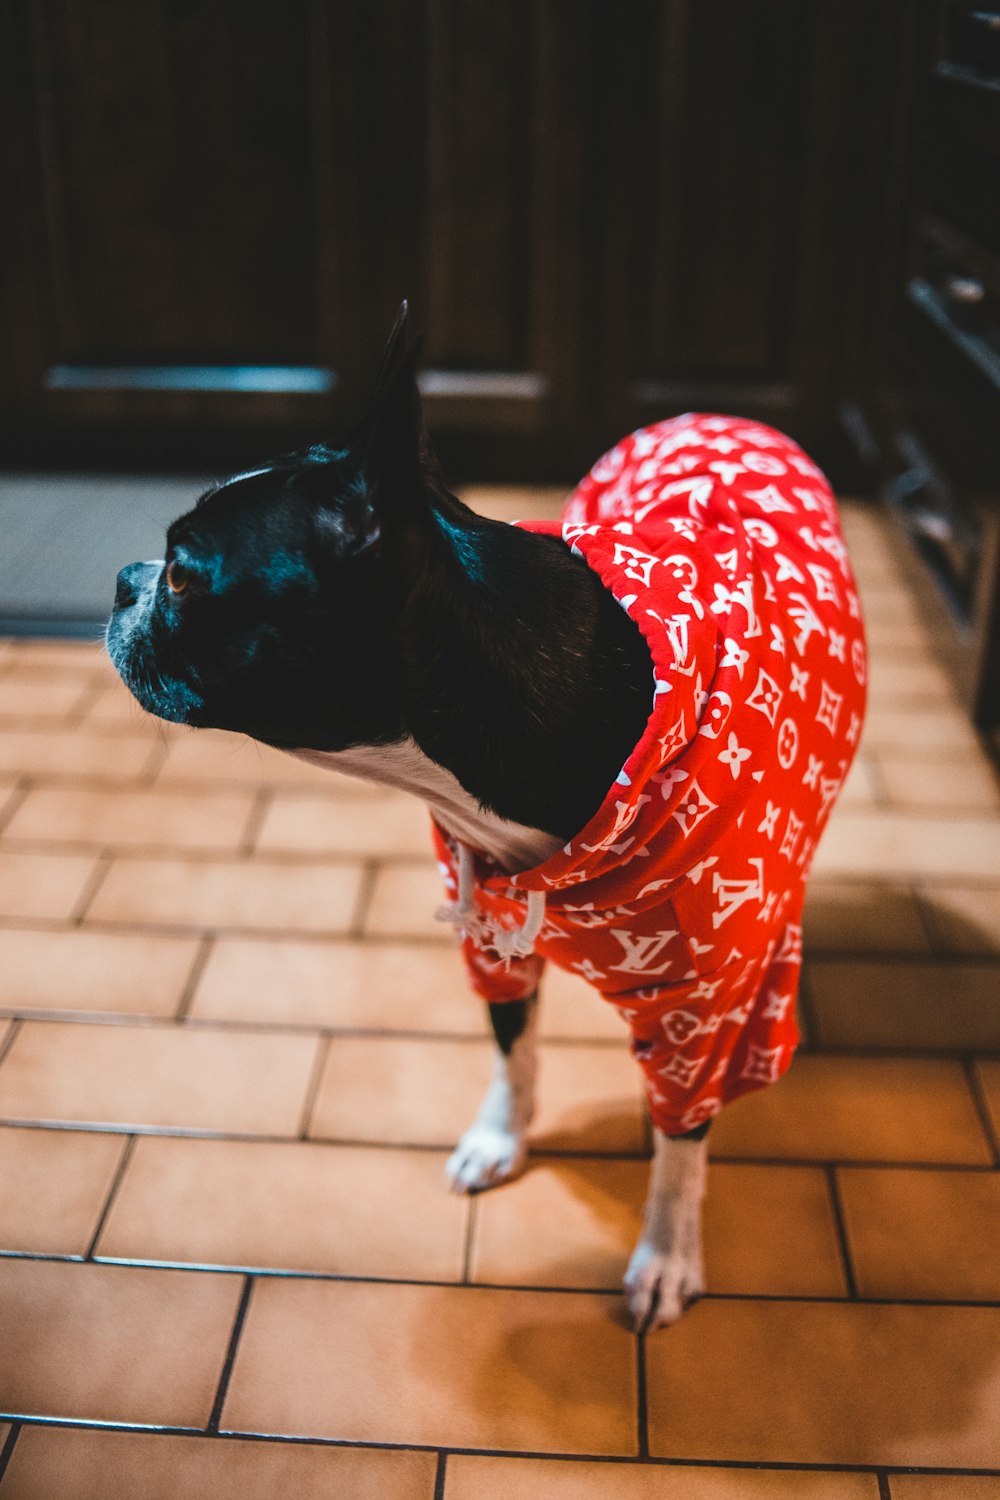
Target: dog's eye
177, 578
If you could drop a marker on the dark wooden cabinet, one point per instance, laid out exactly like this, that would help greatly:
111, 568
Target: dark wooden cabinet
600, 212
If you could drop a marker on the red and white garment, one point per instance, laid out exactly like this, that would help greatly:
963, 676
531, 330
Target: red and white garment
681, 899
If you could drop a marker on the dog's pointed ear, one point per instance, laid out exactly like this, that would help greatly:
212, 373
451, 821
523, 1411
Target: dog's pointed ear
392, 439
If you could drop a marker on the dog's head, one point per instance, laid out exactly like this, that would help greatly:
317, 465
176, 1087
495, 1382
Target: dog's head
274, 611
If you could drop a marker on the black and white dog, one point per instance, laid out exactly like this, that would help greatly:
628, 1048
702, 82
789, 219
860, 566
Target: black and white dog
342, 603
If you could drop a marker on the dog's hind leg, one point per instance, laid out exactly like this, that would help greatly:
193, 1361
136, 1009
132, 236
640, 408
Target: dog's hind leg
666, 1272
494, 1147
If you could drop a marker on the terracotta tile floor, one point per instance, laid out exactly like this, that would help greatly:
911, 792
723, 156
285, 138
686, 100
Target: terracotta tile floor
234, 1048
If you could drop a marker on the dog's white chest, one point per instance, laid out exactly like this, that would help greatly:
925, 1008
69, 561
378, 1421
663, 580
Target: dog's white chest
513, 846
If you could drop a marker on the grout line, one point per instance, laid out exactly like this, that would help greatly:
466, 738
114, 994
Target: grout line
439, 1476
140, 1019
89, 695
882, 796
194, 977
429, 940
921, 902
642, 1414
116, 1182
259, 807
8, 1448
883, 1485
982, 1108
91, 886
227, 1368
539, 1153
159, 750
807, 1010
312, 1087
549, 1456
833, 1187
8, 1041
471, 1224
604, 1294
18, 793
366, 889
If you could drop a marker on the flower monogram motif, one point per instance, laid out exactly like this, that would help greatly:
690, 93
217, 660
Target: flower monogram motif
788, 743
769, 822
734, 756
766, 696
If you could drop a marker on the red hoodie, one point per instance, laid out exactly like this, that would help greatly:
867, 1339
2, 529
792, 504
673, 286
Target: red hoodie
681, 899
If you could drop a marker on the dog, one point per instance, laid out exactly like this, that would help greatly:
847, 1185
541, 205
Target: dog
630, 728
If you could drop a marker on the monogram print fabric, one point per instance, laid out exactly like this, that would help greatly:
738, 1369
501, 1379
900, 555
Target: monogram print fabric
681, 900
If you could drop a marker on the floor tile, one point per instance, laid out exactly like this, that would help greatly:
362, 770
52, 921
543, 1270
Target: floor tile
97, 972
44, 696
912, 682
115, 708
574, 1223
570, 1007
400, 1090
965, 781
84, 1464
886, 844
906, 1006
562, 1224
351, 1210
403, 902
771, 1231
852, 916
104, 815
43, 885
214, 755
943, 1486
105, 757
259, 894
892, 604
378, 987
923, 1233
55, 1184
919, 733
171, 1077
963, 919
472, 1477
113, 1343
860, 1109
463, 1366
391, 824
88, 656
861, 789
590, 1098
425, 1092
853, 1383
501, 502
897, 637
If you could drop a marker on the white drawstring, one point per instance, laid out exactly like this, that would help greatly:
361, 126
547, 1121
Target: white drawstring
518, 943
463, 906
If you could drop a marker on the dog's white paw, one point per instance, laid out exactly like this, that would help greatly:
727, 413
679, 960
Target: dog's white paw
659, 1285
485, 1157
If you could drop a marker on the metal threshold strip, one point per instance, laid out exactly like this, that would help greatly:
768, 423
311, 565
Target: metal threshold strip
257, 379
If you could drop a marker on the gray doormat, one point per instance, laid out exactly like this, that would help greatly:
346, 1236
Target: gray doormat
63, 538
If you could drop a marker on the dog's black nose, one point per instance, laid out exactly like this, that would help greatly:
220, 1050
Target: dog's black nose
127, 589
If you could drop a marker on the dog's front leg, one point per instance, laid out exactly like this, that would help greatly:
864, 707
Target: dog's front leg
495, 1146
665, 1272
